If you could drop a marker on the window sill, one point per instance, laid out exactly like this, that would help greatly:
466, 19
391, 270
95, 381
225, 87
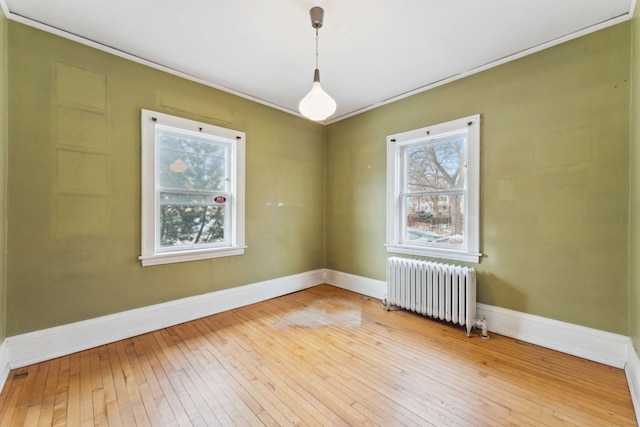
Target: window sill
436, 253
172, 257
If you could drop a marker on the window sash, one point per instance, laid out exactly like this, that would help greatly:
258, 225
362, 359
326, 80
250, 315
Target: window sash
405, 193
204, 139
227, 213
226, 226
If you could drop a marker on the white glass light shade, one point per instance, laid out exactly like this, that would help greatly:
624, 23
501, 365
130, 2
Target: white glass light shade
317, 105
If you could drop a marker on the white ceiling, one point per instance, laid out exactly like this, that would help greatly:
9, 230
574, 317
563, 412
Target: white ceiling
371, 51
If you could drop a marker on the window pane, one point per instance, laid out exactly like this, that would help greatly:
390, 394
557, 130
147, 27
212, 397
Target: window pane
190, 164
436, 166
191, 225
435, 219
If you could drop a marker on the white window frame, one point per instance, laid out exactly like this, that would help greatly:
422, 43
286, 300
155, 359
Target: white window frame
470, 250
152, 253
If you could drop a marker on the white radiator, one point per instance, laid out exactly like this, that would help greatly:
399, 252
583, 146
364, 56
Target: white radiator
442, 291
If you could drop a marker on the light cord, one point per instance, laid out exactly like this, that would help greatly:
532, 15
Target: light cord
316, 48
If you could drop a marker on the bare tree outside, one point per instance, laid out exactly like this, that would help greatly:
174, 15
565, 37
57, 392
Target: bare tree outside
434, 193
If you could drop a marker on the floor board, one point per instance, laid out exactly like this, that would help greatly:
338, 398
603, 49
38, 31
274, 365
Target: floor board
323, 356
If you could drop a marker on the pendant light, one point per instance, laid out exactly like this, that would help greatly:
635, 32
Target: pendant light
317, 105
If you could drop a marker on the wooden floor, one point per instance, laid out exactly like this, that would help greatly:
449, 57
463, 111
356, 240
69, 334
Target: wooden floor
323, 356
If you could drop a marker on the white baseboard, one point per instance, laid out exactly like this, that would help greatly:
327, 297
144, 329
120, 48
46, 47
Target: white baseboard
46, 344
358, 284
4, 363
632, 371
588, 343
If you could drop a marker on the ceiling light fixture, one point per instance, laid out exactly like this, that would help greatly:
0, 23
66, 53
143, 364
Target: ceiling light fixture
317, 105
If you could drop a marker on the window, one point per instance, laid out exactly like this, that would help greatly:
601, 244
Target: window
433, 181
192, 190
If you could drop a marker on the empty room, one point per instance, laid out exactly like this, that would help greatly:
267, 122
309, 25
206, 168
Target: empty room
319, 213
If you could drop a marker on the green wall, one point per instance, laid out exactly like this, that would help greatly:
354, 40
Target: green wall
634, 180
554, 179
3, 172
74, 198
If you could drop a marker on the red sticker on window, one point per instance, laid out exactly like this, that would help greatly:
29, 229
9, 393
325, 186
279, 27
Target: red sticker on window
220, 199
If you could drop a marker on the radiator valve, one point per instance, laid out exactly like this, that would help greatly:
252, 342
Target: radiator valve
483, 324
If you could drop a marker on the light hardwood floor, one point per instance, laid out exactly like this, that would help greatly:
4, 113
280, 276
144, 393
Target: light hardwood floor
323, 356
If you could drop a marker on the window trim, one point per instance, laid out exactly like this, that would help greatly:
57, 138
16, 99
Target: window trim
149, 197
395, 242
